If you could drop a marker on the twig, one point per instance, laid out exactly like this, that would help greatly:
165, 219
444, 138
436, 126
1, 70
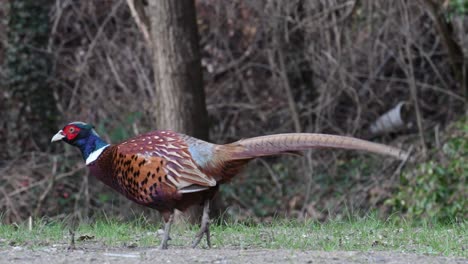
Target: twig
84, 189
30, 223
309, 169
419, 84
273, 175
48, 188
89, 52
10, 205
59, 7
412, 82
113, 70
437, 136
140, 19
288, 90
403, 162
33, 185
454, 50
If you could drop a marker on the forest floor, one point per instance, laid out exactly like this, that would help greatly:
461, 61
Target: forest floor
352, 241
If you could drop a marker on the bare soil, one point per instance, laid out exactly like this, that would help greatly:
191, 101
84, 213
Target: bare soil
101, 254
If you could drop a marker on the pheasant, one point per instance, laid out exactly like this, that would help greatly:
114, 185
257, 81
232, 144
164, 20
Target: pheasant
166, 170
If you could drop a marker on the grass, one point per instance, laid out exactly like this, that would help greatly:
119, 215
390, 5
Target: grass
367, 234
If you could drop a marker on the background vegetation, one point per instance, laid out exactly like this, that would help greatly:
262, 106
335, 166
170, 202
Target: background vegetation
325, 66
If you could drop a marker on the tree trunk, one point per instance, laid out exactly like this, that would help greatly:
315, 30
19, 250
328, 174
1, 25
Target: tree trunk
179, 98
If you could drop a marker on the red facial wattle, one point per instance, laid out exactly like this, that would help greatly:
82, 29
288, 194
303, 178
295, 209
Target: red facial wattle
71, 132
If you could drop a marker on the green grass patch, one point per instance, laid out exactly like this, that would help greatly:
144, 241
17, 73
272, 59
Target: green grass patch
363, 234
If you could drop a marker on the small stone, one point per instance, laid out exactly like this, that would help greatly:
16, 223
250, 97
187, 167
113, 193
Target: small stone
132, 245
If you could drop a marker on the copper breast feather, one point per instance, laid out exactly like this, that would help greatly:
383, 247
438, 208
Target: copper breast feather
157, 164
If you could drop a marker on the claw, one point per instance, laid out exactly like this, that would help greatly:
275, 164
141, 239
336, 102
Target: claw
167, 230
205, 226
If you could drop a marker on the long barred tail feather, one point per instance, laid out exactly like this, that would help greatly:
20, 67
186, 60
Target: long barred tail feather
295, 142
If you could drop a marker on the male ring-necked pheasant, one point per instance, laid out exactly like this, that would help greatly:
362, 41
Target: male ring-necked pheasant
166, 170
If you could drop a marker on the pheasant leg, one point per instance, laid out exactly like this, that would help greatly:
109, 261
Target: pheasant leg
205, 226
72, 240
167, 230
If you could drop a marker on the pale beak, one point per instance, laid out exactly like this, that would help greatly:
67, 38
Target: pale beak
58, 136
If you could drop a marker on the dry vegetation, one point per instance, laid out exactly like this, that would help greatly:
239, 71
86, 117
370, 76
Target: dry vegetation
326, 66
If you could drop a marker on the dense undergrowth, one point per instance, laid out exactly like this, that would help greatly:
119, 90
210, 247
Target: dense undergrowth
437, 189
269, 67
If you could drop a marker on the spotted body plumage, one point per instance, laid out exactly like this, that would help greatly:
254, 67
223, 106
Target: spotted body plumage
154, 169
166, 170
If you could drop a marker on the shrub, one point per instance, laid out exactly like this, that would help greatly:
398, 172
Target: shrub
436, 190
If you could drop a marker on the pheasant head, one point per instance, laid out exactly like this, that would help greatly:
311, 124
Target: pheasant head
84, 137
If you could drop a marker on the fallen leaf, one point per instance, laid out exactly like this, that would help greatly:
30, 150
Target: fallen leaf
85, 237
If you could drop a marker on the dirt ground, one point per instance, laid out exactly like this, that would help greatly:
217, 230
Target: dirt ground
59, 254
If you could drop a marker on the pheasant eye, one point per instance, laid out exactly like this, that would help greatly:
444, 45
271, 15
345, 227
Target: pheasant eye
71, 130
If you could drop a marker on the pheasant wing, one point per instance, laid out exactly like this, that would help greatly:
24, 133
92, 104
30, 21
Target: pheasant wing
164, 157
